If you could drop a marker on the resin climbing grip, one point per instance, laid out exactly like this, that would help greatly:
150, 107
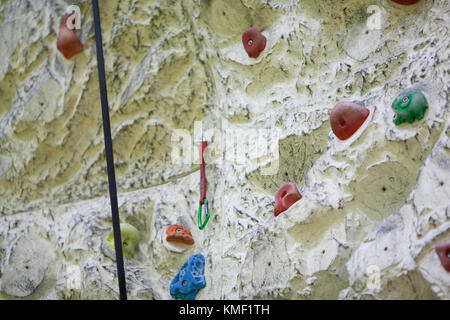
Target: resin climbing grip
254, 42
346, 118
409, 107
285, 197
178, 233
130, 239
67, 43
190, 279
443, 252
406, 1
203, 187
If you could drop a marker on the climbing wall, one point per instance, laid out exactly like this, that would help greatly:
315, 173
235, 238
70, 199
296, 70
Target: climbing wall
373, 207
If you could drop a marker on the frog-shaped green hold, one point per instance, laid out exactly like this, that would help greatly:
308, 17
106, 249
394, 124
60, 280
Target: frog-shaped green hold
130, 239
409, 107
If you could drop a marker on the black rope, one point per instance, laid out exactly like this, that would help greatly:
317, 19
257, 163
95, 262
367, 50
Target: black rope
109, 154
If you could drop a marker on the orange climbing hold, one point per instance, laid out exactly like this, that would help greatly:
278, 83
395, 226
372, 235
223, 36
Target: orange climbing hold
68, 43
177, 233
285, 197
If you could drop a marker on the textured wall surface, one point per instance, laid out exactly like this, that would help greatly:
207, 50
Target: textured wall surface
373, 207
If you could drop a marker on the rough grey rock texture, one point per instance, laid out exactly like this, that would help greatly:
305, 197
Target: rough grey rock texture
373, 207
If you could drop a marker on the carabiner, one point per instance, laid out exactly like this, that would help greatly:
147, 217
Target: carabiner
200, 224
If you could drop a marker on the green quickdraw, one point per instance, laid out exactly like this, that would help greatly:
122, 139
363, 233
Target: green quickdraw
200, 224
203, 187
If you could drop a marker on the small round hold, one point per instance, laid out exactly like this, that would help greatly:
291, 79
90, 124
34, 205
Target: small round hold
346, 118
406, 2
254, 42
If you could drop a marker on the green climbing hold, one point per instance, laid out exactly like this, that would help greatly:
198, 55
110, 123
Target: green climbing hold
409, 107
130, 239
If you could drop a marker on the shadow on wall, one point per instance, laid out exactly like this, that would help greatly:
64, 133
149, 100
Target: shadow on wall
382, 188
231, 18
296, 155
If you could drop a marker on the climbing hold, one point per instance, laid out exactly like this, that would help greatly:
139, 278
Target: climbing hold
346, 118
177, 233
285, 197
130, 239
190, 279
409, 107
254, 42
68, 43
443, 252
406, 1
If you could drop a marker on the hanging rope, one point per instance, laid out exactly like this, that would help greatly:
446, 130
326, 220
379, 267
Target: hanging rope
109, 153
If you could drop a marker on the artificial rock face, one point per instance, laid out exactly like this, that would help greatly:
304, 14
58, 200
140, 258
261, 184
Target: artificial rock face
374, 206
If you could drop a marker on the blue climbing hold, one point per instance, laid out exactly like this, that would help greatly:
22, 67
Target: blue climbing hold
189, 279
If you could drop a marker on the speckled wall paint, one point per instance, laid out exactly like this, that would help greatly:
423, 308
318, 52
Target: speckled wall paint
373, 208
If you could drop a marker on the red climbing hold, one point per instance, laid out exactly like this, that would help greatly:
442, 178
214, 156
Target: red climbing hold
177, 233
68, 43
285, 197
346, 118
443, 252
406, 1
254, 42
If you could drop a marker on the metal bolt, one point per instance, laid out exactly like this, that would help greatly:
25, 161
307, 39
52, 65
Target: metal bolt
405, 100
